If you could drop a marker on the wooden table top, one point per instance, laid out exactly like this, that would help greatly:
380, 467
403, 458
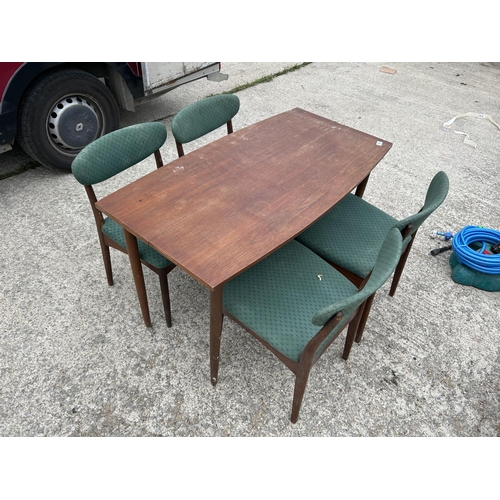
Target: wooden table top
223, 207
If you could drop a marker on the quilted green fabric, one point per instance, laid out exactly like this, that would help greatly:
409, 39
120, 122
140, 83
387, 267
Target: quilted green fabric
202, 117
280, 296
385, 263
352, 232
117, 151
436, 194
146, 253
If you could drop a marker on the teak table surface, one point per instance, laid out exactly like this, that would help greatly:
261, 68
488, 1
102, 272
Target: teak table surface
225, 206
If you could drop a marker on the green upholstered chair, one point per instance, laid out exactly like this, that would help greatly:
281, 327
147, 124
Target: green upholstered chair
350, 235
106, 157
202, 117
296, 304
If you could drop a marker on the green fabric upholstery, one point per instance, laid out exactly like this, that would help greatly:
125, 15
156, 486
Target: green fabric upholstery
104, 158
436, 194
117, 151
114, 231
283, 300
202, 117
351, 233
385, 263
113, 153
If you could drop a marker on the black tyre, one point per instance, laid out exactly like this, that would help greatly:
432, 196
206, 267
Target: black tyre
61, 113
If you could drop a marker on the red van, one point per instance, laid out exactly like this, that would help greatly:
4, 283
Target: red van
53, 110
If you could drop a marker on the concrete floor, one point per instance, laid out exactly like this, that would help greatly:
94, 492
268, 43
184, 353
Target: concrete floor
76, 359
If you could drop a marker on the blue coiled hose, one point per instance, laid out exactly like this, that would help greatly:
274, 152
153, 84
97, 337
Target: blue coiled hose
475, 259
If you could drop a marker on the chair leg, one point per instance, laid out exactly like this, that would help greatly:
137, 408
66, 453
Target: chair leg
300, 387
165, 296
401, 265
180, 149
364, 317
351, 333
107, 263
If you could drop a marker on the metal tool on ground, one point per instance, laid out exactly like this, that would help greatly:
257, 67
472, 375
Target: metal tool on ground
437, 251
446, 236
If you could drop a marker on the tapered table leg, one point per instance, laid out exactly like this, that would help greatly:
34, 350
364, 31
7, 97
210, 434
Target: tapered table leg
215, 332
135, 263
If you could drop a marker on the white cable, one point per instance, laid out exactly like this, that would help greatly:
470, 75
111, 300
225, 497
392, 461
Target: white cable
446, 125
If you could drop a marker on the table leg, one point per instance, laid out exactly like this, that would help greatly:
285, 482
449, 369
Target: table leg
135, 263
215, 332
361, 187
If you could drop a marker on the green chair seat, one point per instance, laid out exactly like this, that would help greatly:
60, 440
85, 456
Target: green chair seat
148, 254
350, 235
296, 304
278, 297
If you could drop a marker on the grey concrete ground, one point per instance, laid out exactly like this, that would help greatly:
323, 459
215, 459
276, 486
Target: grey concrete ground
76, 359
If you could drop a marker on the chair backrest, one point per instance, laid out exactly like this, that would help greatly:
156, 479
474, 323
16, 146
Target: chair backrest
387, 260
114, 152
436, 194
202, 117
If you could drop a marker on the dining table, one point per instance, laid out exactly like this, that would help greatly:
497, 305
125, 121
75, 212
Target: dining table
223, 207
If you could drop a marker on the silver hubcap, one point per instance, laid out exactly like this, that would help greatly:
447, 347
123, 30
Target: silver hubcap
74, 122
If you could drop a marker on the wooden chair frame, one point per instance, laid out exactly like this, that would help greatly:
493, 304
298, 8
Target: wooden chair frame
309, 355
179, 146
358, 281
106, 242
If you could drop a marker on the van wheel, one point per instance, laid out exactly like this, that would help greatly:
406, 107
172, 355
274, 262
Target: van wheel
61, 113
